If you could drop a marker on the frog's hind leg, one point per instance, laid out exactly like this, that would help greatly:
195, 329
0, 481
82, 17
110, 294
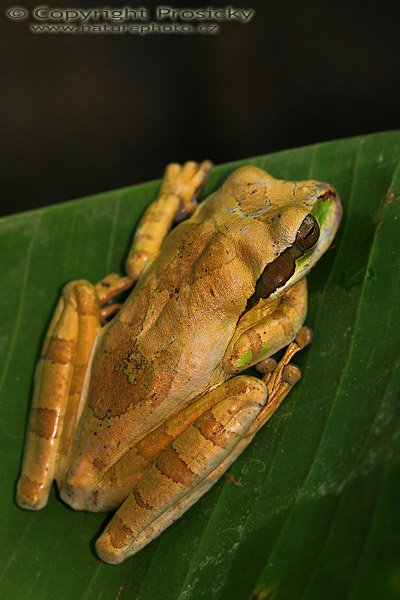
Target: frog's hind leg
172, 482
280, 379
120, 479
176, 200
198, 457
58, 380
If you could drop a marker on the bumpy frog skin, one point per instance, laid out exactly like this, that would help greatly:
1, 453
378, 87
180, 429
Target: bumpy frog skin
145, 411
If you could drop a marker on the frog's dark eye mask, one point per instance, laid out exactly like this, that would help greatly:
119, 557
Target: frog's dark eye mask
277, 273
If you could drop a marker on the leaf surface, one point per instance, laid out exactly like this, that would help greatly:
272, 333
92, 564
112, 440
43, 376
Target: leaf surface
317, 511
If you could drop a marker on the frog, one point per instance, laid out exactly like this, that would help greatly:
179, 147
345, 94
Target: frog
141, 405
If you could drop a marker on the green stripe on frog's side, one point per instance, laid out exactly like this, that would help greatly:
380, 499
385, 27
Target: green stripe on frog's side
249, 358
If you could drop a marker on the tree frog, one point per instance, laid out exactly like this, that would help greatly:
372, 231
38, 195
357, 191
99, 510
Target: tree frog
141, 406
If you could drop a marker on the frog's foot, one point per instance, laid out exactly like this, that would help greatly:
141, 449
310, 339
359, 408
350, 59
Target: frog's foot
280, 377
176, 200
185, 182
106, 289
186, 468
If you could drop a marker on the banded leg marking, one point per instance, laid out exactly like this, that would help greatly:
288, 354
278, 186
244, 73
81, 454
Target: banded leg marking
55, 378
182, 466
173, 484
119, 481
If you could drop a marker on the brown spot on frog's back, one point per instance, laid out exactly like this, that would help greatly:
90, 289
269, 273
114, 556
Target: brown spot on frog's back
124, 377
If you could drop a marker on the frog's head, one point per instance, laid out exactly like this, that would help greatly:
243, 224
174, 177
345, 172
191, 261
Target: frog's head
302, 219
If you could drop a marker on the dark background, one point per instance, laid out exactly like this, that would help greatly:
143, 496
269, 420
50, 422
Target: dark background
86, 113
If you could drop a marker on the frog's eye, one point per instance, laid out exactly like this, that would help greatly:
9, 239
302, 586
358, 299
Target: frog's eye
279, 271
308, 234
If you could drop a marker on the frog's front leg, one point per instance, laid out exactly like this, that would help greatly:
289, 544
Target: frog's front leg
266, 328
261, 332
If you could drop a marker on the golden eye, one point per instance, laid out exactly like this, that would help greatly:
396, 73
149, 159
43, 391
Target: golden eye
308, 233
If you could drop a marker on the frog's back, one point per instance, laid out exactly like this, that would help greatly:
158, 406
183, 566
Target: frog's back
169, 338
165, 346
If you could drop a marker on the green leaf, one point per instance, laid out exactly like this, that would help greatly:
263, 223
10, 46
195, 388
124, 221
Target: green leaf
317, 511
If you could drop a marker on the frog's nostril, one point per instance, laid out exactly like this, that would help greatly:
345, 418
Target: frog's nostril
327, 195
330, 195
